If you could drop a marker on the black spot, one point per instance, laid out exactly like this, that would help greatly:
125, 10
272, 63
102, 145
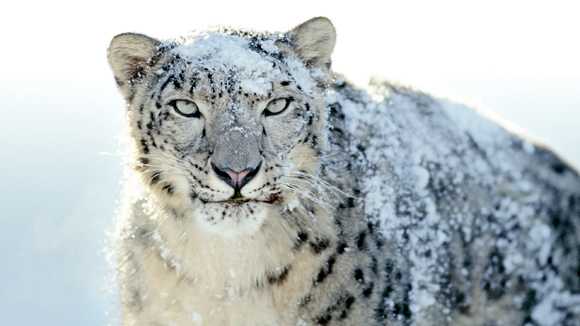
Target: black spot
135, 300
337, 130
380, 310
402, 309
145, 146
318, 245
314, 142
360, 241
387, 291
323, 320
301, 237
379, 242
139, 125
530, 301
340, 248
175, 213
155, 177
398, 276
359, 275
368, 290
279, 278
495, 278
167, 81
459, 301
350, 203
336, 110
169, 189
285, 83
158, 105
326, 270
559, 168
347, 304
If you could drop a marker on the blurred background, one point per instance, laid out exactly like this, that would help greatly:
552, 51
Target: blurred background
61, 114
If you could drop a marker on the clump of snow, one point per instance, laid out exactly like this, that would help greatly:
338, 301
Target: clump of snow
255, 71
219, 52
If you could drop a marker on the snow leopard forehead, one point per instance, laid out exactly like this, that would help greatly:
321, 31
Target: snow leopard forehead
250, 61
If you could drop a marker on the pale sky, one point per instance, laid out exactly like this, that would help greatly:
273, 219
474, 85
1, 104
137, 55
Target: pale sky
415, 40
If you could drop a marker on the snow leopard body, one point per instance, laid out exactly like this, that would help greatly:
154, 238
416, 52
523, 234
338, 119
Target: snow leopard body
274, 192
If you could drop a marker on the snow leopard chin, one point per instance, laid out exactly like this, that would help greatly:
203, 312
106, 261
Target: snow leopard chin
230, 219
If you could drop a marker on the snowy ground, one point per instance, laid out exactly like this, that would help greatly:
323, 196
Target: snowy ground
60, 113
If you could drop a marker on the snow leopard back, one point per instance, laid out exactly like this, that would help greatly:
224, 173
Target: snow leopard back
471, 224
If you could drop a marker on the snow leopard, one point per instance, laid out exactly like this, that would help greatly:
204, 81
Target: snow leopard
273, 191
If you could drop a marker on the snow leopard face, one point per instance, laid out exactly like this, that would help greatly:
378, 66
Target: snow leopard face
226, 124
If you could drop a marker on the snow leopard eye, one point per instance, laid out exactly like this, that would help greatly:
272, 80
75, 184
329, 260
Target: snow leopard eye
276, 106
186, 108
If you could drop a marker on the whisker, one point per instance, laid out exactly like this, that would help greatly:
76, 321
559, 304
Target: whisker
319, 181
304, 193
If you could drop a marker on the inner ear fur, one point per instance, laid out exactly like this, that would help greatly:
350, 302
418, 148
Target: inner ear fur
314, 41
129, 54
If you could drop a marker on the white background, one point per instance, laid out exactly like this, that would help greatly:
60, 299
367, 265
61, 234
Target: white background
60, 111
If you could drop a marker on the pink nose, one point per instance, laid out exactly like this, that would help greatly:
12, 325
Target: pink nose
236, 180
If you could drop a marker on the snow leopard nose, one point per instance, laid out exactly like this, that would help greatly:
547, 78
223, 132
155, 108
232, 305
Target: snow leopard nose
236, 180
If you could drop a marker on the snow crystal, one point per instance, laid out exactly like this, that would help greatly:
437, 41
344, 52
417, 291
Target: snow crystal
422, 176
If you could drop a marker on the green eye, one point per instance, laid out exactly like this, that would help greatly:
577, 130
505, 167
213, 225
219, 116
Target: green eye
186, 108
276, 106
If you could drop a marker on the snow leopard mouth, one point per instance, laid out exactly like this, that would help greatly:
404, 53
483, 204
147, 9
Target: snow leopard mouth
239, 199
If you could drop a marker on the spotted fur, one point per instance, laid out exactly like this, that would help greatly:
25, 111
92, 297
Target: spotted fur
347, 207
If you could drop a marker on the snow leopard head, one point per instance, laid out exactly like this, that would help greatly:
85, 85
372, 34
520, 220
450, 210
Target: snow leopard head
227, 124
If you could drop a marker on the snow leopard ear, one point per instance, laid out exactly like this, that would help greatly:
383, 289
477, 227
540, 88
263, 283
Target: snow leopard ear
314, 41
129, 55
